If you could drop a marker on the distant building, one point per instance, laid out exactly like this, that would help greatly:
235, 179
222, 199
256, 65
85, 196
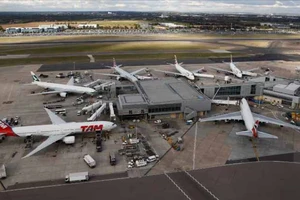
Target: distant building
172, 25
87, 26
31, 30
13, 30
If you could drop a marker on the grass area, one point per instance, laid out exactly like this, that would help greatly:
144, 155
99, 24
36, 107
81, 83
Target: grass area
21, 39
107, 47
80, 59
52, 60
251, 43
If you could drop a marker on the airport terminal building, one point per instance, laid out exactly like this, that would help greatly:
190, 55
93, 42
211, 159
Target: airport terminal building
235, 90
280, 91
163, 97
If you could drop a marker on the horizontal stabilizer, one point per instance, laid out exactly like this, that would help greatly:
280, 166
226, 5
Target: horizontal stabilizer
260, 134
245, 133
266, 135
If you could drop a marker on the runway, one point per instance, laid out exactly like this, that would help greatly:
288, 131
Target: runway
145, 62
147, 40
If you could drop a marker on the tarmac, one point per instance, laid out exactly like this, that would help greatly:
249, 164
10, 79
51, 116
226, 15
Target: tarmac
259, 180
213, 145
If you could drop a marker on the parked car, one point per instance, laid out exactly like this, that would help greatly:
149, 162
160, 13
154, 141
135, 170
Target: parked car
112, 159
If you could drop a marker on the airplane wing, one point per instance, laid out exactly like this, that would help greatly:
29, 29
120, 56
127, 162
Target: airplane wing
137, 71
248, 73
270, 120
167, 72
113, 75
50, 140
49, 92
222, 70
54, 118
251, 70
228, 116
203, 75
71, 81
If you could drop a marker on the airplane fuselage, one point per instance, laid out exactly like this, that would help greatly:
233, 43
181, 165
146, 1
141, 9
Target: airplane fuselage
65, 88
185, 72
248, 117
125, 74
52, 129
236, 71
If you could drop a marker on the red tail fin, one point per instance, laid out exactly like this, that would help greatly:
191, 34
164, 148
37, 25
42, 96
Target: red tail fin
6, 129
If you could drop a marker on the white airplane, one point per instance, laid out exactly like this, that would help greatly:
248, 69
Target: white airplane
236, 71
58, 130
61, 89
131, 76
186, 73
251, 121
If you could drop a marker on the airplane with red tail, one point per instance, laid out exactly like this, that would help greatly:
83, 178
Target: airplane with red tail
251, 121
58, 130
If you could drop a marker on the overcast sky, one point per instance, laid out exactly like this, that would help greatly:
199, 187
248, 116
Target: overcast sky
220, 6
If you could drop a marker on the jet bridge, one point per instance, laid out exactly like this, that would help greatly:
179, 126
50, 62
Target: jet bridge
92, 107
97, 113
112, 112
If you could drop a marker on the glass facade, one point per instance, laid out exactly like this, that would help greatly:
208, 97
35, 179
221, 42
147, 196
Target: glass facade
165, 108
253, 89
233, 90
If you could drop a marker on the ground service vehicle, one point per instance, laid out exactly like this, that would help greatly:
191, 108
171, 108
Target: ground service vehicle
89, 160
77, 177
112, 159
2, 172
140, 163
151, 159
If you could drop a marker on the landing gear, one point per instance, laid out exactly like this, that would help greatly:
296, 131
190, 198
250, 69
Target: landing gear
2, 138
28, 142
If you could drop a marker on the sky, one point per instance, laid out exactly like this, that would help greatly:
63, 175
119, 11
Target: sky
219, 6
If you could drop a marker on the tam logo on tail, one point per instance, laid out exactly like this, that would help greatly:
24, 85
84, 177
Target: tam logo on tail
6, 129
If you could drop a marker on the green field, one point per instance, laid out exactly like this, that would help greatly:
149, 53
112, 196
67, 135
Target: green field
106, 47
85, 59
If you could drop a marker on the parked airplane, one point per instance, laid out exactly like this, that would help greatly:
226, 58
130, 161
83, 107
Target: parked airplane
131, 76
186, 73
61, 89
236, 71
251, 121
58, 130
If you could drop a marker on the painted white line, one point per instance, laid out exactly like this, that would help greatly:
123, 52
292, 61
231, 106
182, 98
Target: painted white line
195, 143
8, 97
202, 185
66, 184
177, 186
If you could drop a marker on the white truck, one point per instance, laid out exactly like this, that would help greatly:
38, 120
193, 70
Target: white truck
2, 172
77, 177
89, 161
